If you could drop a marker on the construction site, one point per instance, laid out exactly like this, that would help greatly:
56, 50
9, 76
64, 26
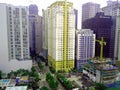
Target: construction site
101, 70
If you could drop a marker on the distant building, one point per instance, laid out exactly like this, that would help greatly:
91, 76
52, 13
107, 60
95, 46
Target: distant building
14, 38
45, 33
103, 27
38, 35
32, 34
89, 10
35, 28
61, 35
76, 18
113, 9
85, 46
33, 9
33, 12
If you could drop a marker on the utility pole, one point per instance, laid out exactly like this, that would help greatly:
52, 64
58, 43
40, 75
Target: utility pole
101, 42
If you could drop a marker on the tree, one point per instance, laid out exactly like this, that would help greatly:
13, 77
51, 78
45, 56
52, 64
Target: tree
51, 81
0, 74
44, 88
100, 86
40, 65
64, 81
52, 70
33, 69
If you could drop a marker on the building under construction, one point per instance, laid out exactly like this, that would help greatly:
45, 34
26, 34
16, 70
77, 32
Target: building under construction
61, 35
101, 71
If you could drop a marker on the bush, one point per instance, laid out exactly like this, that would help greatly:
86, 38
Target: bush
44, 88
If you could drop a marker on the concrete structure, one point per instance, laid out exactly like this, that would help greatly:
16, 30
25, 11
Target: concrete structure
33, 9
103, 27
35, 28
45, 33
89, 10
101, 71
17, 88
85, 46
14, 38
33, 12
38, 35
76, 18
32, 34
7, 83
113, 9
61, 35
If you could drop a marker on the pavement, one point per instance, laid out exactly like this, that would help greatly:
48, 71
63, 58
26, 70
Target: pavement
76, 79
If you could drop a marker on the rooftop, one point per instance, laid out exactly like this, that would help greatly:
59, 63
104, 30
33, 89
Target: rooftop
17, 88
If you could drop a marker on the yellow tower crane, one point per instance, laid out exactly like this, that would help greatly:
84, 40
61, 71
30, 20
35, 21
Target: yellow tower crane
101, 42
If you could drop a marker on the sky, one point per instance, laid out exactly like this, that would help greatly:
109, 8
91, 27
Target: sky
43, 4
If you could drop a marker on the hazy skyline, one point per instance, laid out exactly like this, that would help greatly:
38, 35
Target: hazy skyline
43, 4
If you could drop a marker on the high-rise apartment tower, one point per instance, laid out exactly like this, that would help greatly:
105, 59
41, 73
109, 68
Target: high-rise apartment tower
61, 36
14, 38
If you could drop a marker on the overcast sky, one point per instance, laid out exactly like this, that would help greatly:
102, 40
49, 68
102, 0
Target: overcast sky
43, 4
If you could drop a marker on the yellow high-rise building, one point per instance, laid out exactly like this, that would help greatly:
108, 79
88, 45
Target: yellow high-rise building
61, 36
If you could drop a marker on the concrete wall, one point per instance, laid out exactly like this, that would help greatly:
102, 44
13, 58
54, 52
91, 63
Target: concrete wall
3, 38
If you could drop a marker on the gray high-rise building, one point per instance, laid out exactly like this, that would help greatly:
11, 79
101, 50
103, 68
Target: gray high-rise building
76, 18
89, 10
102, 26
33, 9
35, 29
38, 35
85, 46
113, 9
14, 38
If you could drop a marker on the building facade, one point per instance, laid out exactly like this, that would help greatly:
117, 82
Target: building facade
101, 71
85, 46
33, 12
61, 36
33, 9
76, 18
38, 35
89, 10
45, 33
103, 27
113, 9
14, 34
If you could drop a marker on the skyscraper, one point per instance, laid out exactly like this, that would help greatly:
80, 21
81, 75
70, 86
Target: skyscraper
32, 34
38, 34
61, 36
113, 9
103, 27
89, 10
14, 38
85, 46
33, 12
45, 33
33, 9
76, 18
